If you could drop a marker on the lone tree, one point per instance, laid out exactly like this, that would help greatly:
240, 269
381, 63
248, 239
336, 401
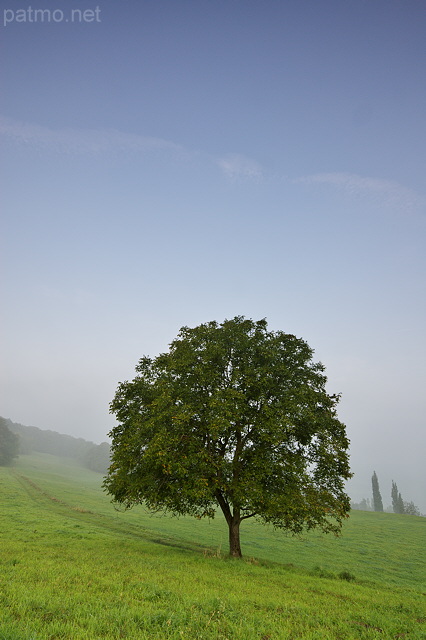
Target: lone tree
237, 417
377, 498
9, 444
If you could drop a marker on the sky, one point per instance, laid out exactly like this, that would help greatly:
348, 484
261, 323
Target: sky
165, 163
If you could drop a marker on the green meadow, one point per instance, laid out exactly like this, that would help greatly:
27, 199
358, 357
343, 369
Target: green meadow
72, 567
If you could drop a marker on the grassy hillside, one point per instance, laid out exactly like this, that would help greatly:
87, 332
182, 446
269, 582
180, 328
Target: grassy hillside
87, 454
72, 567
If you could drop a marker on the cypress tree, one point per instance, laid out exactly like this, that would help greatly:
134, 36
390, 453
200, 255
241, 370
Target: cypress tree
377, 498
397, 501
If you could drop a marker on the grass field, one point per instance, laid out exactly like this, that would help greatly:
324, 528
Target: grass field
72, 567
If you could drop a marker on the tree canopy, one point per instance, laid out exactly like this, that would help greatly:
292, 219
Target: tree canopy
234, 417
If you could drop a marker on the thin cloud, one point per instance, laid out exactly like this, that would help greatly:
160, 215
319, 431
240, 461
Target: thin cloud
387, 192
239, 166
83, 141
101, 141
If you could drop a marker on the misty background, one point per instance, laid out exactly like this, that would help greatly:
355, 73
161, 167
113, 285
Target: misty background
172, 163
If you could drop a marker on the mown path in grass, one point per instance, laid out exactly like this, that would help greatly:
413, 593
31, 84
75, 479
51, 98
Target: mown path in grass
71, 567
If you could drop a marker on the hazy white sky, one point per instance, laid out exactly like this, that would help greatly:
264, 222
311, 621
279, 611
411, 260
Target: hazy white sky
167, 163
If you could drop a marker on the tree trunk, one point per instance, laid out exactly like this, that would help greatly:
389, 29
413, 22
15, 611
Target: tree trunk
234, 538
234, 521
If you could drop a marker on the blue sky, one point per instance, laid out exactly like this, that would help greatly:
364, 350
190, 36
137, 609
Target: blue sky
167, 163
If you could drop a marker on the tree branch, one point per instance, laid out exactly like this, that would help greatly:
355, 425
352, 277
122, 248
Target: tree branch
250, 515
223, 503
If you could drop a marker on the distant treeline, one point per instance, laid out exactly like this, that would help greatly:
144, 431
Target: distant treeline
92, 456
398, 504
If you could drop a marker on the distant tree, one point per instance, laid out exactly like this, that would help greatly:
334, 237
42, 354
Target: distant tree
232, 417
394, 496
411, 509
397, 501
9, 444
377, 498
97, 457
364, 505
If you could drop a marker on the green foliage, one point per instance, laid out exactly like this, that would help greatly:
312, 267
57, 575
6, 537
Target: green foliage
232, 416
9, 444
377, 498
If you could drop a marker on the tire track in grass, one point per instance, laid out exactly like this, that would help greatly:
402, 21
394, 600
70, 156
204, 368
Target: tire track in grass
100, 521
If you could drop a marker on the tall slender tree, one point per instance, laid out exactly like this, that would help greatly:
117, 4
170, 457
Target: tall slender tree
397, 501
377, 498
